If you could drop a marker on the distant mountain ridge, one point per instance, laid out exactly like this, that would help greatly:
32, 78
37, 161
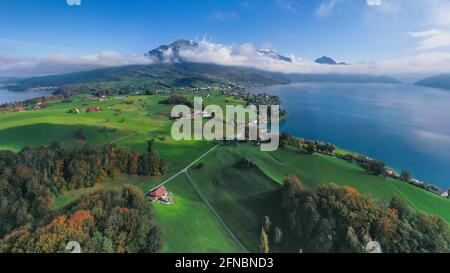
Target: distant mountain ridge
341, 78
441, 81
161, 75
171, 53
274, 55
171, 70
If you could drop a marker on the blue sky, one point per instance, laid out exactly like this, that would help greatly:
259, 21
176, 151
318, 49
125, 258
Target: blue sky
347, 30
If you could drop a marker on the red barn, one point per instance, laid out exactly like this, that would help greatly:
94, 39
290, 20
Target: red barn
160, 195
94, 109
159, 192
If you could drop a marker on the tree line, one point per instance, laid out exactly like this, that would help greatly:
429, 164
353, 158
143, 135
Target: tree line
178, 100
109, 221
30, 179
340, 219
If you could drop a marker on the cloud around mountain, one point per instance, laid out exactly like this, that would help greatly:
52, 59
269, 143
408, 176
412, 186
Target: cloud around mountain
59, 63
205, 51
250, 56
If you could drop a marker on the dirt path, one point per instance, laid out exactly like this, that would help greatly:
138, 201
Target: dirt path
184, 170
123, 138
135, 133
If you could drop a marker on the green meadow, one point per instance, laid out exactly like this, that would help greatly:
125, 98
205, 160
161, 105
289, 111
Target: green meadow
241, 196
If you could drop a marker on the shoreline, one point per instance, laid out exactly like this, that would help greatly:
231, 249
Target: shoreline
382, 149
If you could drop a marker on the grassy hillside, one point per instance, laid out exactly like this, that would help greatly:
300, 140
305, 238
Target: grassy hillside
158, 76
245, 196
241, 196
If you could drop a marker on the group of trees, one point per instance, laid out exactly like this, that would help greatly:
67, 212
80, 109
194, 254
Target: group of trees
308, 146
375, 167
244, 163
151, 163
30, 179
339, 219
109, 221
179, 100
270, 235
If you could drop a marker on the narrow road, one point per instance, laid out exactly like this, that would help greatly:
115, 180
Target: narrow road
137, 132
221, 220
183, 170
123, 138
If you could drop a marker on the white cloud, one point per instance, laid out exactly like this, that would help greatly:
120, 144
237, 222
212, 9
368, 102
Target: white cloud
287, 5
439, 12
326, 7
246, 55
18, 66
224, 16
73, 2
432, 39
374, 2
230, 55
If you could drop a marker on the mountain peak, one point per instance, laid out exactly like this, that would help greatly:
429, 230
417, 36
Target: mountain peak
328, 60
266, 52
171, 53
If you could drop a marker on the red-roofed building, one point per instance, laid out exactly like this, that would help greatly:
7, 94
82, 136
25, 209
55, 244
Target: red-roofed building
161, 195
159, 192
94, 109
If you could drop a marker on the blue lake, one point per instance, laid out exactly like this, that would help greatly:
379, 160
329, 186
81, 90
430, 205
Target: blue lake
11, 96
404, 125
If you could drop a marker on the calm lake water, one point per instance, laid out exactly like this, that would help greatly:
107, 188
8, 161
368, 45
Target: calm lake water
11, 96
404, 125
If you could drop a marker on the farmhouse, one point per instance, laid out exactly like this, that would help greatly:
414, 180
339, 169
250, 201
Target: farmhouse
434, 189
100, 98
75, 111
206, 114
160, 195
94, 109
20, 109
416, 182
392, 173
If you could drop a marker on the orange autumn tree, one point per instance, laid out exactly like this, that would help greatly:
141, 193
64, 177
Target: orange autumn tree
118, 220
340, 219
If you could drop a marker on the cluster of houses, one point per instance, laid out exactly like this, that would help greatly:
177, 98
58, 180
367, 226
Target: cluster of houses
38, 106
397, 176
197, 114
99, 98
91, 109
421, 184
229, 88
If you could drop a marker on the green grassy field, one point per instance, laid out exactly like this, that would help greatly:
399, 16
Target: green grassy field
319, 169
189, 225
241, 196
